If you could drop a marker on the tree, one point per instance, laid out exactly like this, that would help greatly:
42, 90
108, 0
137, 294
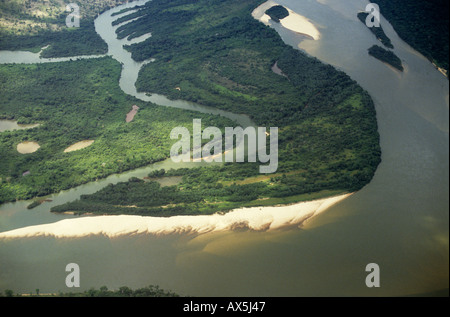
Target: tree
125, 291
9, 293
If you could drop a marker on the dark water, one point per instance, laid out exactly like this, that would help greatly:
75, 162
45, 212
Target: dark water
399, 221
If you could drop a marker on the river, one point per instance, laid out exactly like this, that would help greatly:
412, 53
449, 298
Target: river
399, 221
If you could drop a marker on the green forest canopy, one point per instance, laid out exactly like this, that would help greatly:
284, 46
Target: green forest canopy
277, 13
422, 24
219, 56
386, 56
377, 31
31, 25
76, 101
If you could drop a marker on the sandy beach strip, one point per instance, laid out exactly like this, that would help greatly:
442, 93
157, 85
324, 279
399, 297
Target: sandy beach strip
255, 218
294, 22
79, 145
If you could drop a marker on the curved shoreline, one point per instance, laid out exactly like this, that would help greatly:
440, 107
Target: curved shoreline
254, 219
79, 146
403, 209
294, 22
257, 218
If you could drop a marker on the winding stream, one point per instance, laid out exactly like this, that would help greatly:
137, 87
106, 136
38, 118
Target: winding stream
18, 215
399, 221
130, 70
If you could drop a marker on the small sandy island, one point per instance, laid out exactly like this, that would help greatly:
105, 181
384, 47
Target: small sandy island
294, 22
27, 147
256, 219
79, 145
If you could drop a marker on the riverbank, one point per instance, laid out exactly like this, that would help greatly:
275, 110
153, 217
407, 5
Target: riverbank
254, 219
403, 210
303, 136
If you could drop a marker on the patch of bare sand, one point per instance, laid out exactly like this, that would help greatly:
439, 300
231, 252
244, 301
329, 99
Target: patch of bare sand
79, 145
27, 147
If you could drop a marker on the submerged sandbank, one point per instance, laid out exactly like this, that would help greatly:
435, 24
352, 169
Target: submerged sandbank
79, 145
294, 22
27, 147
256, 218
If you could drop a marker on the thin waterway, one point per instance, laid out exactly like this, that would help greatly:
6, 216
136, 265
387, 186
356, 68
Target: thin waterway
16, 214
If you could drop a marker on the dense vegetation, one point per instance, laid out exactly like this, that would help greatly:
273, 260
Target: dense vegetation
386, 56
75, 101
126, 10
422, 24
219, 56
378, 52
277, 13
124, 291
31, 25
65, 43
201, 191
377, 31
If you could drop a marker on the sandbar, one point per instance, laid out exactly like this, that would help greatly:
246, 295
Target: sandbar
79, 145
255, 219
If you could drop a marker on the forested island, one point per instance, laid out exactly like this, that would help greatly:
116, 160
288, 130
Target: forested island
328, 140
217, 55
422, 24
377, 31
378, 52
277, 13
386, 56
76, 101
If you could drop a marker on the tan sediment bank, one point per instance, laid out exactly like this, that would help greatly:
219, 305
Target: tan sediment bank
79, 145
27, 147
277, 70
131, 114
256, 218
294, 22
443, 71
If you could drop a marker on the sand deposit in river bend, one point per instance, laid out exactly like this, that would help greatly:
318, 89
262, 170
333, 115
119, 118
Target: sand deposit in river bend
27, 147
